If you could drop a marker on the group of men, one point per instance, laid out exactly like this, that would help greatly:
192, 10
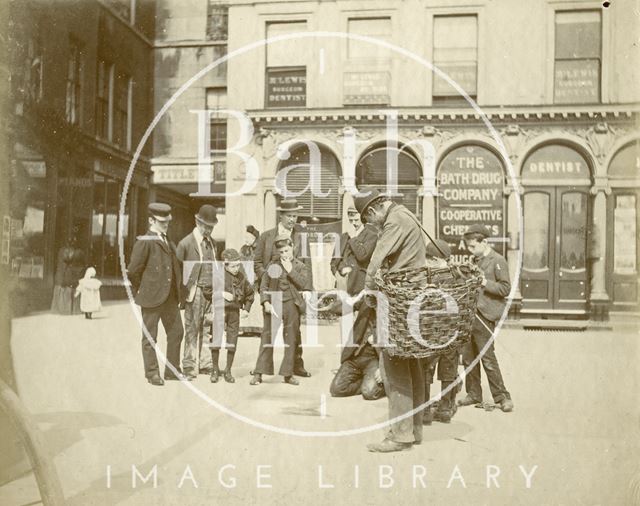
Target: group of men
384, 235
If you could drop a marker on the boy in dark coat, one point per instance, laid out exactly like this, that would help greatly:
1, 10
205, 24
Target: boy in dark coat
285, 277
238, 298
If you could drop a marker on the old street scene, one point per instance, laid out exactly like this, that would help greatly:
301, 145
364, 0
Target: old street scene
351, 251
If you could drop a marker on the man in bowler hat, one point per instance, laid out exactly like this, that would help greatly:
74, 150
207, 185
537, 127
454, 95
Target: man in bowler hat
197, 251
266, 252
155, 275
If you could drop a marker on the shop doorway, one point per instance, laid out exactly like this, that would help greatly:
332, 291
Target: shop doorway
554, 274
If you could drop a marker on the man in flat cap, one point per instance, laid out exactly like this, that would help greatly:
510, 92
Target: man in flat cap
156, 278
496, 285
400, 246
266, 252
198, 252
285, 276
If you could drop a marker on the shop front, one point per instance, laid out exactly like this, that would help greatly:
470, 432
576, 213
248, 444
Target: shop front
556, 214
622, 234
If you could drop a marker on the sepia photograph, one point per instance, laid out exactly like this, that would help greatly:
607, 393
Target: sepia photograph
283, 252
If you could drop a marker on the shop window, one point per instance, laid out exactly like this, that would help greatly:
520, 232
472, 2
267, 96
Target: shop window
625, 222
286, 72
455, 52
578, 50
105, 224
74, 83
23, 238
104, 101
573, 231
327, 208
33, 70
217, 21
536, 238
371, 173
122, 111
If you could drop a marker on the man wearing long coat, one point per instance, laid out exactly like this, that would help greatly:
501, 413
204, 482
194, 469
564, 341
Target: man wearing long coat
156, 278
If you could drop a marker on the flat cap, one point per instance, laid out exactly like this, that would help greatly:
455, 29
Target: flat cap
230, 255
282, 238
441, 251
160, 211
478, 228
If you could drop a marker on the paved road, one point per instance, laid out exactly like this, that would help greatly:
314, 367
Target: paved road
576, 419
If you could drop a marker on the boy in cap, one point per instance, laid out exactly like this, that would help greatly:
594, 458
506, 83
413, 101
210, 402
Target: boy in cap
496, 285
286, 276
447, 360
238, 298
156, 278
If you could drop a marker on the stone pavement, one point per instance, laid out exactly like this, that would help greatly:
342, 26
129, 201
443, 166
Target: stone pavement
576, 419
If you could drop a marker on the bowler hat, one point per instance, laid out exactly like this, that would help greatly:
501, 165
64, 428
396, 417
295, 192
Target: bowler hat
160, 211
230, 255
207, 215
439, 250
362, 203
478, 228
288, 205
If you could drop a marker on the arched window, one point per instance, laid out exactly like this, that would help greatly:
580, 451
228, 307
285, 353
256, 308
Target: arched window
371, 172
325, 208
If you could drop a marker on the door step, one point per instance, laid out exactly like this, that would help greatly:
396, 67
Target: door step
556, 324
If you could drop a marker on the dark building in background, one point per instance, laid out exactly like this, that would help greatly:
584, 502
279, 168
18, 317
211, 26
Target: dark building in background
80, 100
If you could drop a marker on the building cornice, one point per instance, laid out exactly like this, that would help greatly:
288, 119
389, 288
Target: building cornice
537, 115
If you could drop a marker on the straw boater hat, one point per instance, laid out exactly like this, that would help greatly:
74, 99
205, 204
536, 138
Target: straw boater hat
288, 205
160, 211
207, 215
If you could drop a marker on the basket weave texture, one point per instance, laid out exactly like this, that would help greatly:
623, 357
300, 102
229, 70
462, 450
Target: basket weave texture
440, 321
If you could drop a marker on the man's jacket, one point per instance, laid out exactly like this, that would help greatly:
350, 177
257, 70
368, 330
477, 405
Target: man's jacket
355, 253
496, 271
266, 253
153, 268
190, 250
400, 245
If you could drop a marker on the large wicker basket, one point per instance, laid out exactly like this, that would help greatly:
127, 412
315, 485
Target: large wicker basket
441, 320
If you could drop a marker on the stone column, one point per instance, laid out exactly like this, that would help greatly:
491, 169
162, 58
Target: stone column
598, 297
428, 192
514, 234
269, 216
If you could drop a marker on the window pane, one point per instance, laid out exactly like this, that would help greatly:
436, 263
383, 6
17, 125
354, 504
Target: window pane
110, 228
286, 53
377, 28
217, 21
372, 168
455, 43
624, 235
573, 232
578, 35
577, 82
536, 231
